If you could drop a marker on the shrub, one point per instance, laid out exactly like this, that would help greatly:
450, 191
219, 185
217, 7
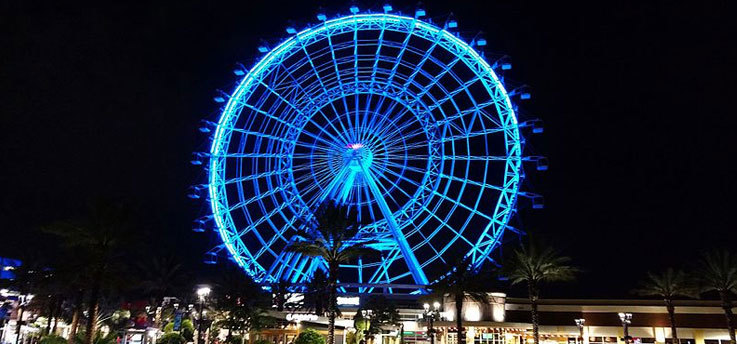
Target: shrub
187, 329
171, 338
52, 339
310, 336
111, 338
262, 341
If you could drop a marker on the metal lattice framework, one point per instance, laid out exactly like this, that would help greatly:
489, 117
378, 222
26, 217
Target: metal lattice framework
399, 119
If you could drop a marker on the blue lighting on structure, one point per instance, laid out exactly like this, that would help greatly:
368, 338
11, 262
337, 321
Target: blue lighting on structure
430, 160
388, 8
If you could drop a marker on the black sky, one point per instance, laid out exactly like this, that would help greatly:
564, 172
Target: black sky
637, 99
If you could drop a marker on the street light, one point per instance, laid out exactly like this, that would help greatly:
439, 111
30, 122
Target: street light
430, 315
367, 314
626, 319
579, 324
202, 293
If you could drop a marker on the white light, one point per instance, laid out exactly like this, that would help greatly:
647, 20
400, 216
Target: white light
355, 145
295, 298
348, 300
436, 305
472, 313
426, 306
203, 291
301, 317
659, 335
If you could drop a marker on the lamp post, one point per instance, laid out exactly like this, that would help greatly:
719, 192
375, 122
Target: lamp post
23, 301
367, 314
202, 293
429, 315
626, 319
579, 324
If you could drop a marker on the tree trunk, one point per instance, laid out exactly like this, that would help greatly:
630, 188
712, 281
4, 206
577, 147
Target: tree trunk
75, 316
672, 316
727, 306
19, 324
331, 302
533, 294
92, 314
459, 298
59, 303
52, 303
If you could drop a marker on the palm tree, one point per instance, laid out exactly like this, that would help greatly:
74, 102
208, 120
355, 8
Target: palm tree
668, 285
533, 265
717, 271
463, 282
334, 238
281, 293
28, 276
162, 276
317, 293
383, 313
239, 302
100, 239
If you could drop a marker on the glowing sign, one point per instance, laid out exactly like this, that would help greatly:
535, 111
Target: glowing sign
301, 317
348, 300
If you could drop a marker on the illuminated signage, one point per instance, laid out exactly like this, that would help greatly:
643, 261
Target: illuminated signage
348, 300
301, 317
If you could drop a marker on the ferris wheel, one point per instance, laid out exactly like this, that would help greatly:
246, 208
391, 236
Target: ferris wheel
392, 116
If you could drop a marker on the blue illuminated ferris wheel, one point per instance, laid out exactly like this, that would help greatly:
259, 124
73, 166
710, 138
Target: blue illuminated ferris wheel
400, 120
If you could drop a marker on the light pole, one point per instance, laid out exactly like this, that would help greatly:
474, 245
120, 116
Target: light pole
23, 301
579, 324
367, 314
429, 316
626, 319
202, 293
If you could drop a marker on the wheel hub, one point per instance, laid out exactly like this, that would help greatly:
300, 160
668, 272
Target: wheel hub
356, 155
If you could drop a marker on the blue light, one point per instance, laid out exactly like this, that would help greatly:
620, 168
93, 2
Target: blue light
538, 202
321, 17
210, 258
506, 66
481, 42
525, 95
291, 30
199, 226
263, 49
388, 8
542, 164
297, 132
452, 24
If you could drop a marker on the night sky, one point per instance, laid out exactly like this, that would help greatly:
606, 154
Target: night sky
637, 100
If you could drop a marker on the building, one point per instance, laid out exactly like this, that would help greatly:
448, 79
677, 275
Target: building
7, 265
507, 321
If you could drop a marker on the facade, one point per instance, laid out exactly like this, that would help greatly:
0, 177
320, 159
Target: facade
7, 265
507, 321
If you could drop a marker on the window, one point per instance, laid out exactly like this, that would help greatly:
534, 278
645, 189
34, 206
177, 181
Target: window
489, 338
